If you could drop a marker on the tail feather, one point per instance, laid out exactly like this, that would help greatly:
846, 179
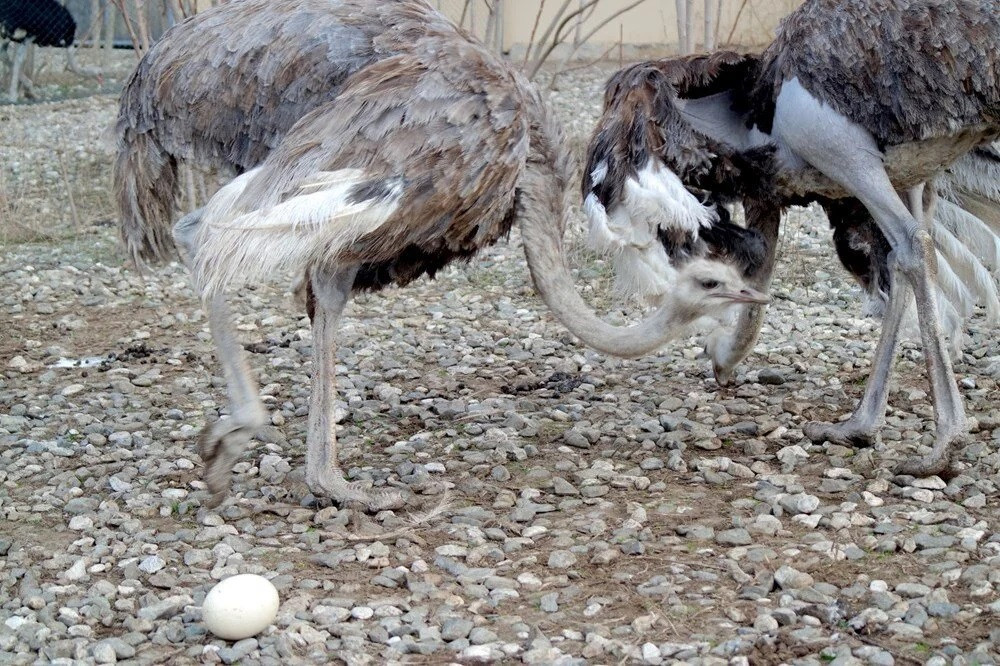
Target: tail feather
978, 173
974, 233
326, 213
973, 183
956, 292
146, 185
967, 229
964, 268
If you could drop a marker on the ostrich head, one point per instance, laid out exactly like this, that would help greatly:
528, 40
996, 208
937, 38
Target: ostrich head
705, 287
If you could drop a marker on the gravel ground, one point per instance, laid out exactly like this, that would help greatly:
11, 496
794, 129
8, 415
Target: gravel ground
595, 510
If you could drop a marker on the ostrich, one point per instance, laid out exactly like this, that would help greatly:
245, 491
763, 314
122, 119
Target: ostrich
427, 149
40, 22
859, 104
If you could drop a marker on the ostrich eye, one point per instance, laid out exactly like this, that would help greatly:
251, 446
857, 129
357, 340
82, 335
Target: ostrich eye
709, 284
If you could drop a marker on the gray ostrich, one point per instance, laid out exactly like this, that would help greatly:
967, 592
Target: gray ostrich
424, 149
859, 104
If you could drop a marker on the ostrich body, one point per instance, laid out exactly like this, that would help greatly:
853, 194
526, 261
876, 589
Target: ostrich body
427, 149
40, 22
859, 104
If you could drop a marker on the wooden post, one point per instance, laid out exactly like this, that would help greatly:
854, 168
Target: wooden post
688, 26
681, 27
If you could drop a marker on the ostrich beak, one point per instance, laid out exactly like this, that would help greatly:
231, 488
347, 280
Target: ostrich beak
747, 295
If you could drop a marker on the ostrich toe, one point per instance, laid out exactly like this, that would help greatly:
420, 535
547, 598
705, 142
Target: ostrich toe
220, 444
933, 464
845, 434
357, 494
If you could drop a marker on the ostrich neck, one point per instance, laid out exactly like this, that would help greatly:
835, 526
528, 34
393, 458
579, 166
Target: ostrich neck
543, 194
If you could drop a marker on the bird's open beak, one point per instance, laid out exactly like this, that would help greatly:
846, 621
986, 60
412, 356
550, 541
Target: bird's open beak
747, 296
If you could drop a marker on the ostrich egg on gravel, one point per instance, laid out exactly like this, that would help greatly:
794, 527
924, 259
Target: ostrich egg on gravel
240, 607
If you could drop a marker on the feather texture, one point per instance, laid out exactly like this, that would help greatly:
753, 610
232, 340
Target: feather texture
980, 287
223, 88
409, 168
971, 231
315, 223
905, 70
646, 163
707, 112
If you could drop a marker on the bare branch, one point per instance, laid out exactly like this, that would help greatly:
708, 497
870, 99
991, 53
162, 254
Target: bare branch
736, 23
609, 19
559, 37
544, 39
531, 38
137, 25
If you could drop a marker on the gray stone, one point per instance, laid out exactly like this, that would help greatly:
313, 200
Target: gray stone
481, 636
799, 503
165, 608
104, 653
561, 559
576, 439
455, 627
789, 578
81, 505
734, 537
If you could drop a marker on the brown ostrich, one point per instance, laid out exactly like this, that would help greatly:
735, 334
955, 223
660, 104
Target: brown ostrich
424, 149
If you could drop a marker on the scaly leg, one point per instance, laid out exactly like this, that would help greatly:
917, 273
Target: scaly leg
323, 474
221, 443
15, 70
868, 417
728, 347
848, 154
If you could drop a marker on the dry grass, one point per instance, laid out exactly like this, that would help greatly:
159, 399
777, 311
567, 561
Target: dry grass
55, 159
77, 197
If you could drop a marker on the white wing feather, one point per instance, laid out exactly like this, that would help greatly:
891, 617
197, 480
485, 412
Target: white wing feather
315, 223
971, 231
655, 199
979, 287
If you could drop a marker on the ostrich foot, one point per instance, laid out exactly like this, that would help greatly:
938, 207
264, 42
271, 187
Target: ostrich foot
845, 434
933, 464
220, 445
938, 461
356, 494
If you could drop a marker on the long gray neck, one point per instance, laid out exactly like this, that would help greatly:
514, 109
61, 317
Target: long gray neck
543, 213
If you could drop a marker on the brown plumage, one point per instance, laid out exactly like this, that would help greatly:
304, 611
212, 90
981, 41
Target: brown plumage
456, 171
855, 100
641, 121
421, 147
905, 70
222, 88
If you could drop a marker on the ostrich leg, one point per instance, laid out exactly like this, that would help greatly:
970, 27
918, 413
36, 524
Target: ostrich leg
222, 442
848, 154
860, 429
727, 347
15, 69
323, 474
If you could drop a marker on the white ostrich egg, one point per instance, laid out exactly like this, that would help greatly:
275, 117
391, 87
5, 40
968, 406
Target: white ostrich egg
240, 607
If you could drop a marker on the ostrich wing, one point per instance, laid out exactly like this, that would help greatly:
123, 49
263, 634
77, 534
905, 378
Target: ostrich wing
223, 87
670, 129
409, 159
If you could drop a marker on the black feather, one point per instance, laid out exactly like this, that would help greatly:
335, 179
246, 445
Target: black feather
43, 22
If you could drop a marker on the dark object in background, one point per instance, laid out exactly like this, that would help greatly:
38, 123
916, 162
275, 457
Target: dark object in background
40, 22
